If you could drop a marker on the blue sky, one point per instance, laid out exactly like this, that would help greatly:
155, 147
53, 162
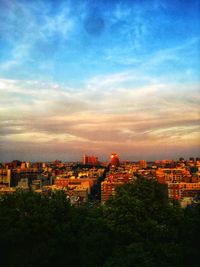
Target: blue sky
99, 76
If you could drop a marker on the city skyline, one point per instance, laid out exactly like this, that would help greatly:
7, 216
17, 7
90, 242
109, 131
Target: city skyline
92, 77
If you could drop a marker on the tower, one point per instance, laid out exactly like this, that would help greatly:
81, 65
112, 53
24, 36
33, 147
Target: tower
114, 160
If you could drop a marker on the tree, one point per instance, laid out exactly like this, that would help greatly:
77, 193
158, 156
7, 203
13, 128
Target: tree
145, 225
137, 227
191, 236
35, 230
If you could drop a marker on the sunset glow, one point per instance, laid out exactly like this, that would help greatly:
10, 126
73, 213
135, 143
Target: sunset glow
94, 77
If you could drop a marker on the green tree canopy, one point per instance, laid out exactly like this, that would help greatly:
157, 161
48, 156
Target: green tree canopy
146, 226
137, 227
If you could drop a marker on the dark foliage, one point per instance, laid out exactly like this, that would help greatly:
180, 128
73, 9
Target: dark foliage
139, 227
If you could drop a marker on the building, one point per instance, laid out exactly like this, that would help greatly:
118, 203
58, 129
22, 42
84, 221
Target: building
112, 181
142, 164
173, 175
108, 189
183, 190
17, 174
90, 160
114, 160
5, 176
74, 183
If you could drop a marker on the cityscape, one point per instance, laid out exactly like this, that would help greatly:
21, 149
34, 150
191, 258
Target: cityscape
92, 77
99, 133
95, 181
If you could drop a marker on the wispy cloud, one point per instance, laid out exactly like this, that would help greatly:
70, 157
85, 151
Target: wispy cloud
49, 113
98, 76
32, 34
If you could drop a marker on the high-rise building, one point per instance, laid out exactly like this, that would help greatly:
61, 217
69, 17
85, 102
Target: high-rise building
114, 160
143, 164
90, 160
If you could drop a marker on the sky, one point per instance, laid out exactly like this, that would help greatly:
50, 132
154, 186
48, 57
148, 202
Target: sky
95, 77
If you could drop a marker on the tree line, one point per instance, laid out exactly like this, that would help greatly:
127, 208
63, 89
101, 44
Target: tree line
138, 227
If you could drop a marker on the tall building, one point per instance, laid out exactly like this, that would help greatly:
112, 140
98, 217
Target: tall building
90, 160
114, 160
143, 164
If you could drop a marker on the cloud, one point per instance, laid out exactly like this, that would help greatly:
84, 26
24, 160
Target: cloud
44, 41
116, 83
32, 35
48, 113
